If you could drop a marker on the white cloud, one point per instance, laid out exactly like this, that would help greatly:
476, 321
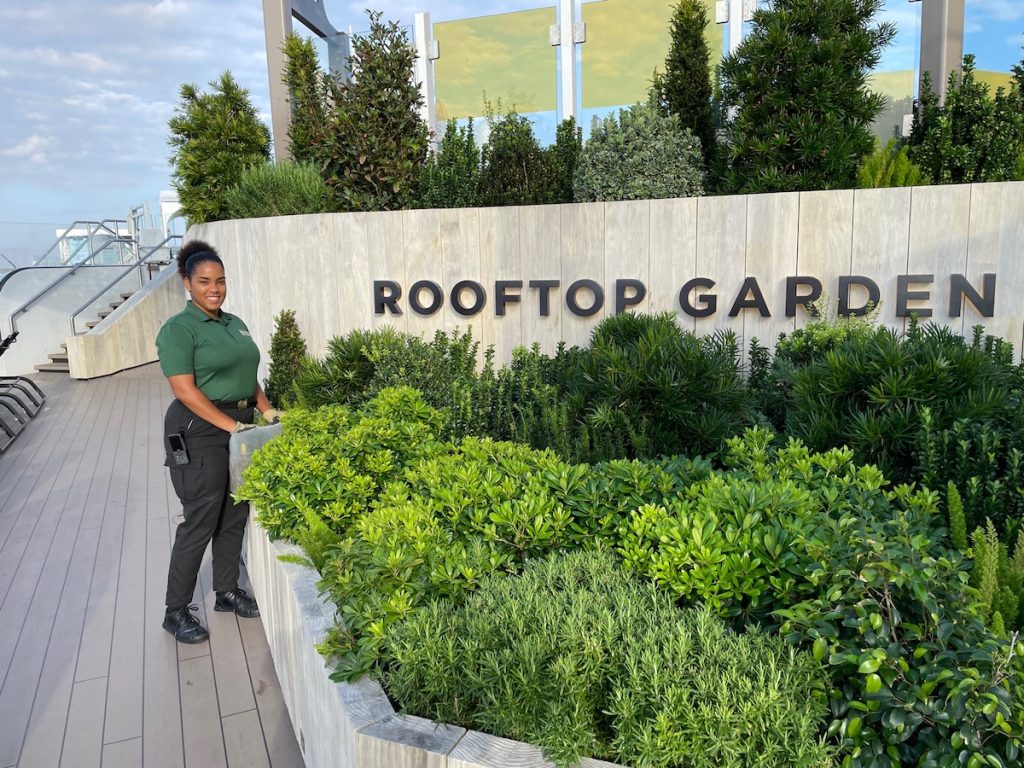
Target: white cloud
77, 60
1001, 10
161, 11
30, 149
35, 12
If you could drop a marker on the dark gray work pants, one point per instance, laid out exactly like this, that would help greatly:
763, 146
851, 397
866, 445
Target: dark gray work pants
209, 511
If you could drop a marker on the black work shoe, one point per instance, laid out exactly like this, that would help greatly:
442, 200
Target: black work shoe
184, 626
239, 601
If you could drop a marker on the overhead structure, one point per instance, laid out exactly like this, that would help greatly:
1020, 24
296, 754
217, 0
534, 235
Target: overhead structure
942, 40
277, 25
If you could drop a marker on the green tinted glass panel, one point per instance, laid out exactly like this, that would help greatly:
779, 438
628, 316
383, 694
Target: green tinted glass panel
898, 89
506, 57
626, 41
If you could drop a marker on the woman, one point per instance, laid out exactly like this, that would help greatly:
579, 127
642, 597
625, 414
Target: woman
210, 361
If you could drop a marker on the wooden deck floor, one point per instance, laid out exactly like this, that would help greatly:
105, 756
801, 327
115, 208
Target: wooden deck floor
89, 677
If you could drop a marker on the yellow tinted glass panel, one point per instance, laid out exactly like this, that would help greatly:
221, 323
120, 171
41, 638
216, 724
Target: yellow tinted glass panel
898, 89
626, 41
506, 57
994, 80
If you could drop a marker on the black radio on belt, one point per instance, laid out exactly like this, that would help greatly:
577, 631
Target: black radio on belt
178, 449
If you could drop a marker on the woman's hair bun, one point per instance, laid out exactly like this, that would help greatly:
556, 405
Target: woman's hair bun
195, 248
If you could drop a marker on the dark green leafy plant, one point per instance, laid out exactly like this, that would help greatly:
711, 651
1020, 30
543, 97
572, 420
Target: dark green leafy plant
214, 137
799, 88
647, 388
277, 189
566, 152
287, 351
451, 176
583, 660
642, 153
684, 89
308, 89
515, 169
970, 137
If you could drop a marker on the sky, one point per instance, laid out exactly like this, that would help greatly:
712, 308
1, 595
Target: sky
89, 85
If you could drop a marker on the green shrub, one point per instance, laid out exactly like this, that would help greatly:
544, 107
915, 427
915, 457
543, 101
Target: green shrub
215, 136
799, 87
579, 658
685, 89
890, 166
998, 575
566, 154
871, 391
971, 136
287, 351
451, 176
308, 89
515, 169
641, 154
645, 388
334, 462
277, 189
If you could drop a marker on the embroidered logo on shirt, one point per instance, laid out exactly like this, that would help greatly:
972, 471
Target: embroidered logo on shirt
244, 333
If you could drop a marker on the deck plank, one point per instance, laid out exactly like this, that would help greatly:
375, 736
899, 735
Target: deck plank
87, 676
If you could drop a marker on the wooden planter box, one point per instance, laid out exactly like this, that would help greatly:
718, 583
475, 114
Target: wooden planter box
353, 725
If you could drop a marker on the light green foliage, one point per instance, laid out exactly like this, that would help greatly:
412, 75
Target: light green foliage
451, 176
890, 166
642, 153
577, 657
646, 388
214, 137
799, 85
957, 522
516, 170
277, 189
287, 351
684, 89
971, 137
998, 575
363, 134
334, 462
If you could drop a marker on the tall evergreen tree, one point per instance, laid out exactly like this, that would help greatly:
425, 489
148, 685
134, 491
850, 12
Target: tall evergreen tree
307, 92
797, 88
214, 137
685, 87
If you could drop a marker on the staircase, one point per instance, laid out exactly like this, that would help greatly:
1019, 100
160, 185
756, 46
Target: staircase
59, 360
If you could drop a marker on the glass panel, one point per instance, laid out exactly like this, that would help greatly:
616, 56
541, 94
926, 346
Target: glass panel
992, 32
897, 72
626, 41
504, 57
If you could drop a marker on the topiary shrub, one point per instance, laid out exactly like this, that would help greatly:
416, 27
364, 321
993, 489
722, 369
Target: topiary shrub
287, 351
277, 189
640, 154
515, 169
583, 660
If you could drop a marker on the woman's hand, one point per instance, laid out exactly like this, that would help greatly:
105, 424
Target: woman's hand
272, 415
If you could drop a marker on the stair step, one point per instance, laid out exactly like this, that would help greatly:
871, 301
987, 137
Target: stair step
103, 313
116, 304
54, 368
65, 346
58, 357
92, 323
127, 295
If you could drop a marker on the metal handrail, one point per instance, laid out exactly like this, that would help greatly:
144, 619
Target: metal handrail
94, 227
24, 307
120, 277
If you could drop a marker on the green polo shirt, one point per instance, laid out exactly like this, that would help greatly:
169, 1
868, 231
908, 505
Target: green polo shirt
218, 351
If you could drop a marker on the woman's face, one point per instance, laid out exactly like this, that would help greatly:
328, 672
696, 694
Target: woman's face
208, 287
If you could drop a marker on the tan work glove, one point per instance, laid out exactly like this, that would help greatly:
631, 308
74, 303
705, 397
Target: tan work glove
240, 427
272, 415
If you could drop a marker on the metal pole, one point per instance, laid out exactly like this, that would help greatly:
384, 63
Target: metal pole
426, 52
568, 15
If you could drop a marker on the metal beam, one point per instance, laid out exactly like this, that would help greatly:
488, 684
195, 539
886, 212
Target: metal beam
277, 25
942, 40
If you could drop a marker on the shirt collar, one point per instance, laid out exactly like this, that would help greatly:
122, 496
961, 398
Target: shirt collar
191, 307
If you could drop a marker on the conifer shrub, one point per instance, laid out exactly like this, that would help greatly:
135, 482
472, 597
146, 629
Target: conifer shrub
214, 137
639, 154
515, 169
277, 189
580, 658
287, 351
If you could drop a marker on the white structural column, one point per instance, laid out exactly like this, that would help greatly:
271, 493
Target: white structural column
427, 51
942, 40
566, 34
727, 11
277, 25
